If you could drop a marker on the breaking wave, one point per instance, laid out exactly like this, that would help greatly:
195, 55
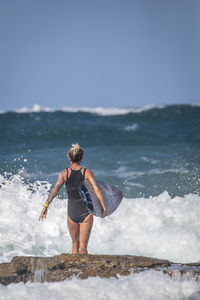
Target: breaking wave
160, 226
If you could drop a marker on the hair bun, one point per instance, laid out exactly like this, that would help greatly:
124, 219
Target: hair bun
75, 153
75, 148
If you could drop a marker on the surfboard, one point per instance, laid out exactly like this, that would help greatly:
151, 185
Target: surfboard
112, 197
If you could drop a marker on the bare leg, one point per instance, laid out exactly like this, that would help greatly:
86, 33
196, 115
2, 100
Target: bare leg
74, 229
85, 229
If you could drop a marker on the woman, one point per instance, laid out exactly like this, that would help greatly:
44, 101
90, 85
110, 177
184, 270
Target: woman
79, 220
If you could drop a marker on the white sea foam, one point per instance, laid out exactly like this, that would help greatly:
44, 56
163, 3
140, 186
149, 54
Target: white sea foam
135, 286
149, 160
112, 110
93, 110
35, 108
132, 127
161, 226
196, 104
124, 172
103, 111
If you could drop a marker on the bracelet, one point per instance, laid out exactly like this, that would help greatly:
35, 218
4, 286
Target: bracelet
46, 205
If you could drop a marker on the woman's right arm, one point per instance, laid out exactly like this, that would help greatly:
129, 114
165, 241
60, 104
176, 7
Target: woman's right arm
52, 195
90, 177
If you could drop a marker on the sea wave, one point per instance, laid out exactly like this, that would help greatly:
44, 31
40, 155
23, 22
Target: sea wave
132, 127
112, 110
196, 104
161, 226
135, 286
124, 172
102, 111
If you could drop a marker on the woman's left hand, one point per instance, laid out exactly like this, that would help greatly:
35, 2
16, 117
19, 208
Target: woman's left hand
43, 214
104, 212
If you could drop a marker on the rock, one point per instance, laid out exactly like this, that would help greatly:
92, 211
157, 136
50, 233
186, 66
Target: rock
184, 271
65, 266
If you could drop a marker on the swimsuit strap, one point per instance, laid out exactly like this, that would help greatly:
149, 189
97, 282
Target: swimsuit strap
84, 172
67, 173
76, 170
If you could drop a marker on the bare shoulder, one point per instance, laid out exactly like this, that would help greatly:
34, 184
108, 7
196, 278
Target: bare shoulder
63, 174
88, 174
91, 178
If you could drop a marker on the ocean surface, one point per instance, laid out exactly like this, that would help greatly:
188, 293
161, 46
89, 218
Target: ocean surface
151, 153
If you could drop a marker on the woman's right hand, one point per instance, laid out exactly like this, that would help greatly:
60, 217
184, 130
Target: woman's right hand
43, 214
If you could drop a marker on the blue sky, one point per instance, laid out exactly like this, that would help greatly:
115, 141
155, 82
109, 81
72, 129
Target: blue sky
110, 53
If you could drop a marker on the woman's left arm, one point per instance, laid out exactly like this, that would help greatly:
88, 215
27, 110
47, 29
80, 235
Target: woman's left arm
52, 195
91, 178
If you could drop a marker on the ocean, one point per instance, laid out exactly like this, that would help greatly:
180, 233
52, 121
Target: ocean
152, 154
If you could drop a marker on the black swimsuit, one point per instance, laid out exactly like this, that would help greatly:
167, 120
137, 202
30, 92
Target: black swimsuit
77, 210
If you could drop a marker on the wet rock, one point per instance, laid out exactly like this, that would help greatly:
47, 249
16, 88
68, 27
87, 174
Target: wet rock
184, 271
65, 266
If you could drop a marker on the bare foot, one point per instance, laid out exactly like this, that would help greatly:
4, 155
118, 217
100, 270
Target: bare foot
75, 248
83, 251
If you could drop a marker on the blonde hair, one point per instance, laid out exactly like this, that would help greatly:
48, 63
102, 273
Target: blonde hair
75, 153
